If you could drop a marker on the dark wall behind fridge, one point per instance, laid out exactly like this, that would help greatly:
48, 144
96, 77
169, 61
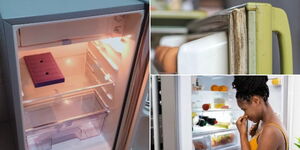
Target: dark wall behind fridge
291, 7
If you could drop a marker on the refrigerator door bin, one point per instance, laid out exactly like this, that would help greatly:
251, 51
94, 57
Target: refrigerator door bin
79, 115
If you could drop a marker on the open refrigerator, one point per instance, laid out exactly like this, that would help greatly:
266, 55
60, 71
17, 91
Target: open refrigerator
78, 102
199, 112
236, 40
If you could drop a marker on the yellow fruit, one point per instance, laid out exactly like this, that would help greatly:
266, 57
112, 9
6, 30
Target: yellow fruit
214, 88
223, 88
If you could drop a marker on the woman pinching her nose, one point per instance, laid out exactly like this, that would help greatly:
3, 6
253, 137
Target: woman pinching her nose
252, 93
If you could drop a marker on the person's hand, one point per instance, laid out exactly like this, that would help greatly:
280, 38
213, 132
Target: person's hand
241, 124
253, 129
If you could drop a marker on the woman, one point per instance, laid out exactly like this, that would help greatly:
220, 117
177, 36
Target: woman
252, 97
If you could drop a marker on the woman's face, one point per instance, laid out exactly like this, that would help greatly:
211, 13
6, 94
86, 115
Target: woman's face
252, 108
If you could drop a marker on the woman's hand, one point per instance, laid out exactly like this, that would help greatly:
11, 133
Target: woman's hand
241, 124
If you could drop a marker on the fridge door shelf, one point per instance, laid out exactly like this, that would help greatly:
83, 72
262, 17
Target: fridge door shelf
79, 115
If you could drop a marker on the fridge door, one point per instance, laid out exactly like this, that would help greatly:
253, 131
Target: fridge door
207, 55
136, 96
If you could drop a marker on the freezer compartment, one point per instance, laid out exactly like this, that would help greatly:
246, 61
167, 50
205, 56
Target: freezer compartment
80, 115
78, 30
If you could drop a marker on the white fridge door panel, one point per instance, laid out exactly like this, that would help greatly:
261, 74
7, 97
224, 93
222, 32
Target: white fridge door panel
207, 55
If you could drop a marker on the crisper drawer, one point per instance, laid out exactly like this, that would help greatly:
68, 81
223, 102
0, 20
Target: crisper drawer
224, 140
228, 140
202, 143
80, 115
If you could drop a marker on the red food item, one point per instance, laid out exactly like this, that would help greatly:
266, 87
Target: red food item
215, 122
225, 107
199, 145
205, 106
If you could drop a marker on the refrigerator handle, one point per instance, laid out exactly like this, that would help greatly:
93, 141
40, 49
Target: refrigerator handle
280, 24
271, 19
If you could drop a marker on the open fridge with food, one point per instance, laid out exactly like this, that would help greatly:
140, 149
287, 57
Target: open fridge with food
214, 113
200, 112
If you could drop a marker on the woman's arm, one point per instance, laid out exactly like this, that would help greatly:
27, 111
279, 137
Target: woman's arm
241, 124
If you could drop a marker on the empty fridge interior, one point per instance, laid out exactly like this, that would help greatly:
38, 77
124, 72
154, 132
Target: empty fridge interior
95, 57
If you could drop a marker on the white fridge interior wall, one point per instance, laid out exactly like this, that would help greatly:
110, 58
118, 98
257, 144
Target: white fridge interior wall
276, 98
99, 62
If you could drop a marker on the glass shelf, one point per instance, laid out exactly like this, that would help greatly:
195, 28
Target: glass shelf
207, 130
214, 110
64, 108
75, 68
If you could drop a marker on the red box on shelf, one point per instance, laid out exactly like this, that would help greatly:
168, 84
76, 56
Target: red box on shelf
43, 69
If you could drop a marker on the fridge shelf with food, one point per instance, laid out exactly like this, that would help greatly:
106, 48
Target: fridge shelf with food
213, 122
213, 103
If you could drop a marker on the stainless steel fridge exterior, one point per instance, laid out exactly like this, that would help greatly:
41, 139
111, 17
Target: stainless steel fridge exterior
34, 12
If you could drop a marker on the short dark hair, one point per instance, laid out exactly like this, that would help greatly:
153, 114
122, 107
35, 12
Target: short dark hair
248, 86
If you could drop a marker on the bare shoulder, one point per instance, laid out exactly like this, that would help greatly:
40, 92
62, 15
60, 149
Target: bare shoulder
270, 138
271, 132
